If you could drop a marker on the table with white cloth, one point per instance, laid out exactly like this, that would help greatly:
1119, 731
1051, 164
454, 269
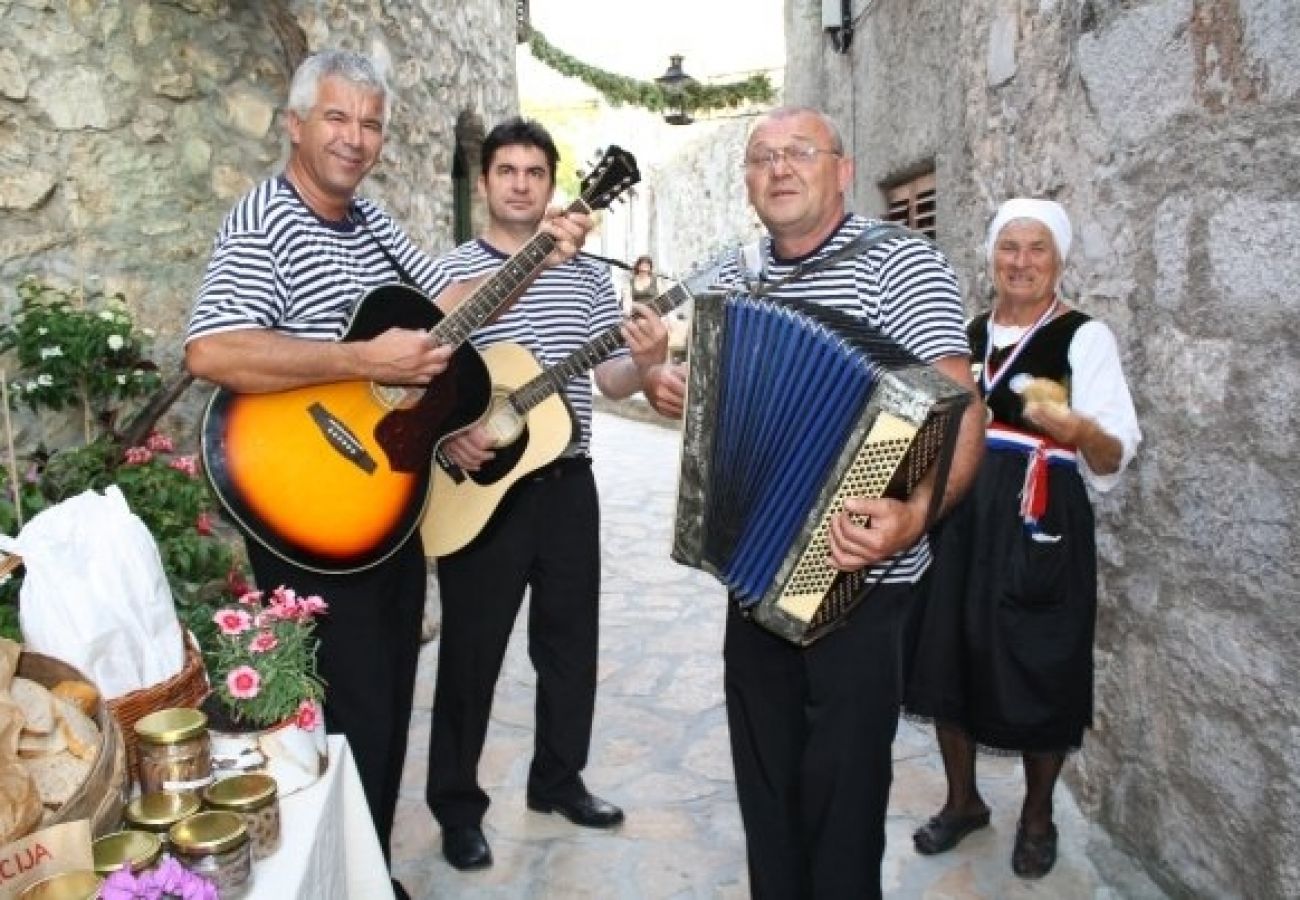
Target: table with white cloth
328, 846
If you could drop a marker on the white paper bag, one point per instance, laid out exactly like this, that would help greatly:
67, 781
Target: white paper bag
95, 595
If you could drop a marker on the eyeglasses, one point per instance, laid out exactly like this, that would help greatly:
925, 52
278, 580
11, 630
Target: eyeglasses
800, 155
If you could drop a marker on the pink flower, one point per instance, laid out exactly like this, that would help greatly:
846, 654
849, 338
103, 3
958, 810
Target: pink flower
203, 524
265, 642
187, 464
308, 715
138, 456
243, 683
250, 598
233, 621
236, 584
314, 605
159, 443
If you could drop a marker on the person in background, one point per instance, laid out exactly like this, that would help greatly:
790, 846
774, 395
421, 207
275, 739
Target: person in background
291, 262
1004, 648
642, 287
812, 727
545, 536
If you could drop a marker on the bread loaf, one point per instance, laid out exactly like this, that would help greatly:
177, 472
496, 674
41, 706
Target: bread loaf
36, 703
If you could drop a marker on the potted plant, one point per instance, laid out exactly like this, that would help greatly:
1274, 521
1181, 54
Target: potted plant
265, 708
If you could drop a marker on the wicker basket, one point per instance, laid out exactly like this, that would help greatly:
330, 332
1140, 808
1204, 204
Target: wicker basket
187, 687
103, 794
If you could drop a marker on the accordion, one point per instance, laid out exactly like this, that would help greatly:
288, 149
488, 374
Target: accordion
791, 408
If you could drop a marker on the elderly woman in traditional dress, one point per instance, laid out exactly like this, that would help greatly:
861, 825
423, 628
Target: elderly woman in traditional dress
1003, 657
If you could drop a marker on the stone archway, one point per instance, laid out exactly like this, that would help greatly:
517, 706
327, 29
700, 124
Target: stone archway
468, 212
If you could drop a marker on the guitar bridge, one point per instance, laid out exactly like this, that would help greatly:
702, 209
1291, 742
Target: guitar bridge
341, 438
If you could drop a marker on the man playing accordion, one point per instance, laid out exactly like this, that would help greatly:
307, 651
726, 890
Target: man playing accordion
812, 726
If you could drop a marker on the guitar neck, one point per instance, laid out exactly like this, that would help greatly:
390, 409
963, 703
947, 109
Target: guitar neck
529, 395
504, 285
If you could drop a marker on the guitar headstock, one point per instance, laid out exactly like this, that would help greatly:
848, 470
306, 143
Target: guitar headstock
614, 173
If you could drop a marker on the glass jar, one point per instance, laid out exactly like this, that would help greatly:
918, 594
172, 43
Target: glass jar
175, 751
134, 850
79, 884
159, 811
254, 796
215, 844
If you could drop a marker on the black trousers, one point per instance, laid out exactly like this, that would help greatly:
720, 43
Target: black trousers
369, 650
811, 735
545, 537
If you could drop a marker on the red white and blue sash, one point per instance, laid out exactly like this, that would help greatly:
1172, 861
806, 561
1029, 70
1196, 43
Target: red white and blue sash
1042, 452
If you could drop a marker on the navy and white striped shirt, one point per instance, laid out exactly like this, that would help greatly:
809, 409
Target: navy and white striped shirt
276, 264
903, 286
566, 307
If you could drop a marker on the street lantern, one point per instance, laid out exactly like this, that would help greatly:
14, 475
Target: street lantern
675, 82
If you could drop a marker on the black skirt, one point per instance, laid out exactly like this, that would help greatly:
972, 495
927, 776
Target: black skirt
1003, 640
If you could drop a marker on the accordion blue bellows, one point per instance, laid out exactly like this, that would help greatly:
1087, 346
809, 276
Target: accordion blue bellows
791, 408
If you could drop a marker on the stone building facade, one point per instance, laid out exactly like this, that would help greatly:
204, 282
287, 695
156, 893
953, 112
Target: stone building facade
128, 128
1170, 129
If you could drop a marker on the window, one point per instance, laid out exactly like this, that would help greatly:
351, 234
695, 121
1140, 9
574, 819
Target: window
912, 203
523, 25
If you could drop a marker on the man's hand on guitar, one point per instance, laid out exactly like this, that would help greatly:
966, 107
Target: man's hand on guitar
890, 526
665, 388
470, 450
646, 336
402, 356
569, 230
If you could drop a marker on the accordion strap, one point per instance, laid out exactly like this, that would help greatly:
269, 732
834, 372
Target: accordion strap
864, 241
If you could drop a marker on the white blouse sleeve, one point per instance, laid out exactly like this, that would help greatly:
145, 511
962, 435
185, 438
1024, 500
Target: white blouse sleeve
1098, 390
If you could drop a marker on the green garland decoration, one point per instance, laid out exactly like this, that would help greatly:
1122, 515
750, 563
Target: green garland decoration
620, 90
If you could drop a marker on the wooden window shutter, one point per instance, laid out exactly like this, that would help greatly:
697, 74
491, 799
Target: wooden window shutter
912, 203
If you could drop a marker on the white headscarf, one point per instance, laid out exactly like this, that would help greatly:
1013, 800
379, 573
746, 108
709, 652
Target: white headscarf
1049, 212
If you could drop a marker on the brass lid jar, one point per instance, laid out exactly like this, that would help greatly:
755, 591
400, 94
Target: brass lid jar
134, 850
175, 750
255, 796
78, 884
159, 811
215, 845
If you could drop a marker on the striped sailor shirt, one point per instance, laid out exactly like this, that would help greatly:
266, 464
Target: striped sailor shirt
564, 308
276, 264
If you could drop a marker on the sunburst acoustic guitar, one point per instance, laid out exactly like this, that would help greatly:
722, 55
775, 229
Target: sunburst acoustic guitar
335, 477
531, 423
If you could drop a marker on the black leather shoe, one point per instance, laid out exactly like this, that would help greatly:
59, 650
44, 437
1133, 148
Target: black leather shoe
586, 810
465, 847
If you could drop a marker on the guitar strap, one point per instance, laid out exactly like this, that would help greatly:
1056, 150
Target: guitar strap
402, 274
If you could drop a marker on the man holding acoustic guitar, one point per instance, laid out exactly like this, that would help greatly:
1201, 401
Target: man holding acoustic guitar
335, 382
544, 535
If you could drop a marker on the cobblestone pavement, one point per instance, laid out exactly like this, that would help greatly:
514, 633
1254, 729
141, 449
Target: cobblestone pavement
660, 751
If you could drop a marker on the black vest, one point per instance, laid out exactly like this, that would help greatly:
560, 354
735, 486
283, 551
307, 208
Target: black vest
1046, 356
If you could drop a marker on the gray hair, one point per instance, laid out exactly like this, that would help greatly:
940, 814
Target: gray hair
789, 112
356, 68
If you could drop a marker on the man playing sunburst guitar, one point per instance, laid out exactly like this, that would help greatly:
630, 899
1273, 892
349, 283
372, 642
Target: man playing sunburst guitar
289, 271
543, 536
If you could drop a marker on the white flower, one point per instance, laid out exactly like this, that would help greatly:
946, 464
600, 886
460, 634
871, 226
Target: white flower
45, 379
31, 386
116, 342
47, 352
121, 379
42, 330
16, 387
107, 315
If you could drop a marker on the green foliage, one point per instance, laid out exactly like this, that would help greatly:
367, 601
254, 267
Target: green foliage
620, 90
88, 356
75, 354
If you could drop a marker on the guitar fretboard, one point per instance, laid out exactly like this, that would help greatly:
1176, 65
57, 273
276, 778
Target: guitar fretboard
532, 393
494, 293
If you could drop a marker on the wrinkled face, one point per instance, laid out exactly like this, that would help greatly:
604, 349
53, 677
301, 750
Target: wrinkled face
339, 141
1025, 263
518, 185
799, 193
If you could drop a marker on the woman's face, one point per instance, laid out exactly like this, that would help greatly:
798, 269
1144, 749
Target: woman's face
643, 268
1025, 263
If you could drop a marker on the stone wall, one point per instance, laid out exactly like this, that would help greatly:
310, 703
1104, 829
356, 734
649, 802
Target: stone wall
129, 127
1171, 131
